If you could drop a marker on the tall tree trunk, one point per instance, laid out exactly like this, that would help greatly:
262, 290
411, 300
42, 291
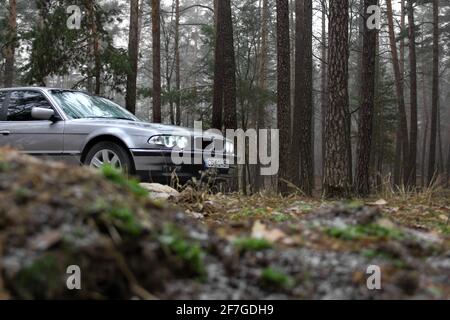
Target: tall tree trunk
337, 163
133, 49
283, 91
323, 79
156, 45
435, 94
378, 122
262, 79
398, 138
218, 67
302, 148
10, 48
413, 93
403, 127
177, 63
229, 70
424, 147
95, 46
367, 95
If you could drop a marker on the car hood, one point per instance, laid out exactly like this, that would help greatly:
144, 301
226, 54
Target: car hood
141, 126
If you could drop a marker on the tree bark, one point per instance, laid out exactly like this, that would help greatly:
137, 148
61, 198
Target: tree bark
323, 79
337, 163
283, 91
302, 147
367, 94
398, 139
411, 182
262, 83
218, 67
435, 95
10, 48
177, 63
229, 70
133, 49
402, 134
156, 45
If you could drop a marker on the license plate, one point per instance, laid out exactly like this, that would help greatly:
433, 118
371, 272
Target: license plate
217, 163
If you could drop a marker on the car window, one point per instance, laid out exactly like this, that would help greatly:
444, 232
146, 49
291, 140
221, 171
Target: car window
2, 106
21, 103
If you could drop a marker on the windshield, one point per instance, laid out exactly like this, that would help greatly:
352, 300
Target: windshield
79, 105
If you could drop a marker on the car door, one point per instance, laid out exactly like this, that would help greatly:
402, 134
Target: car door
19, 130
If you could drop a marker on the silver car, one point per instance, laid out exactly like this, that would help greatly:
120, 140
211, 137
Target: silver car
84, 129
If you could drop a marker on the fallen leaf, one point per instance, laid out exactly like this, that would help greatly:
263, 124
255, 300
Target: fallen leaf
259, 231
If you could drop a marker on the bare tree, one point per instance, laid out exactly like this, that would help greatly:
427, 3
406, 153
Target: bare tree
336, 182
262, 80
156, 44
398, 139
229, 69
302, 131
403, 127
367, 94
435, 94
218, 67
411, 177
177, 63
133, 50
323, 77
283, 90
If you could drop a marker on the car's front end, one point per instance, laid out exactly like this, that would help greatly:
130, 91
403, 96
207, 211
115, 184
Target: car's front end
184, 156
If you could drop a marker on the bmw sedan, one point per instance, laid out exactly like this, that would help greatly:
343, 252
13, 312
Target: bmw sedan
84, 129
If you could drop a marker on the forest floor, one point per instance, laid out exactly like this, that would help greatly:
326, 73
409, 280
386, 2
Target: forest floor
312, 248
203, 246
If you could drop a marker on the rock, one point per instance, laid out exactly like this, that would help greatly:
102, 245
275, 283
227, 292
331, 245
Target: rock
159, 191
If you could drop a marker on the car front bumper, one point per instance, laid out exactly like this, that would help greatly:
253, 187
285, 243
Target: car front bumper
157, 166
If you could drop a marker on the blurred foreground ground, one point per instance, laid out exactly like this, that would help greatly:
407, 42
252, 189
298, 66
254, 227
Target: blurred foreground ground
201, 246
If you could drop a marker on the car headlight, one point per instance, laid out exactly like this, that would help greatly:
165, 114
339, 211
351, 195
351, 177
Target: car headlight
182, 142
229, 147
170, 141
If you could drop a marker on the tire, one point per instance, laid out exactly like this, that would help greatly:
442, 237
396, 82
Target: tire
115, 155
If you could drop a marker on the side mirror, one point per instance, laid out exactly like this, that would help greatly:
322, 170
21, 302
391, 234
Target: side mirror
42, 113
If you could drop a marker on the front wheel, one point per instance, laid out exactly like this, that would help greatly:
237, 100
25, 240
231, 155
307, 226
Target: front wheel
109, 153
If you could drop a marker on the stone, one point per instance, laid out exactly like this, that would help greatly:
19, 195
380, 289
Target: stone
159, 191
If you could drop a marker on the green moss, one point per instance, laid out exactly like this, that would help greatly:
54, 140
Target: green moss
273, 277
125, 220
40, 280
252, 244
190, 253
354, 204
22, 195
118, 178
372, 254
115, 213
4, 166
281, 217
364, 231
248, 213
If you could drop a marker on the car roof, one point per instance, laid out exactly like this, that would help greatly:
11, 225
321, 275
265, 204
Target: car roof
34, 88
